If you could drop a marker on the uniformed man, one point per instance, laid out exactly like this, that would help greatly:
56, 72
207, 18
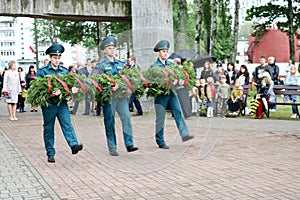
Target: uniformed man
60, 111
111, 65
162, 101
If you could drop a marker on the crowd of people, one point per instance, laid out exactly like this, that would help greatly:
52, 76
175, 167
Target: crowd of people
217, 89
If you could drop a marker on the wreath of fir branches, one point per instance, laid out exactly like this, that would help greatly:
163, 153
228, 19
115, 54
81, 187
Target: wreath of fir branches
41, 89
160, 81
135, 77
152, 82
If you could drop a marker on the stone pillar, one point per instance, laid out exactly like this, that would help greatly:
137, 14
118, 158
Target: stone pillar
152, 21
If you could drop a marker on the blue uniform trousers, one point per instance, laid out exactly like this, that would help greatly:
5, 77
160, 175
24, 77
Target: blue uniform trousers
63, 115
136, 102
161, 104
121, 106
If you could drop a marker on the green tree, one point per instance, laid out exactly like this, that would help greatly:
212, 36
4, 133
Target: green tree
224, 33
213, 28
78, 33
198, 26
285, 13
235, 31
245, 30
181, 28
122, 32
206, 16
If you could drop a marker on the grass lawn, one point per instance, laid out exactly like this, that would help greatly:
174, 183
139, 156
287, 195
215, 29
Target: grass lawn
282, 112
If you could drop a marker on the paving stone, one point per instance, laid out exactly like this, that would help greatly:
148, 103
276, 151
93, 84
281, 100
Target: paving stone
232, 158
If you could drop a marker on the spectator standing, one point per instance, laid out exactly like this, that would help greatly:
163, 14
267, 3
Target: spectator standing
223, 93
219, 72
293, 79
162, 101
243, 75
211, 97
235, 97
259, 71
1, 82
95, 105
85, 70
11, 88
275, 75
54, 110
46, 61
287, 69
231, 74
133, 99
72, 69
111, 65
21, 98
31, 75
207, 72
199, 94
275, 69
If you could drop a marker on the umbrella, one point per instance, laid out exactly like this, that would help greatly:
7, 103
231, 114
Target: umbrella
199, 62
184, 53
175, 55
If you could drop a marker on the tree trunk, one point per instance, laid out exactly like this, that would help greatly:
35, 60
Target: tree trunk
235, 31
182, 13
53, 32
101, 35
198, 27
36, 43
291, 31
213, 27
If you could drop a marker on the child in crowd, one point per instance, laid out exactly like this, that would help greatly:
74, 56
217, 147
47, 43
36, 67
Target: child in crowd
235, 97
223, 93
211, 97
265, 94
199, 94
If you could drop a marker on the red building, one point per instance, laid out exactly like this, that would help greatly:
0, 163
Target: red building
273, 43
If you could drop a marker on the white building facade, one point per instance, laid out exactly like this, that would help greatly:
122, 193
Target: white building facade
17, 43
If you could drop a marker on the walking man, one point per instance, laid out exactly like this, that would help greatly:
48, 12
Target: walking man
111, 65
54, 110
162, 101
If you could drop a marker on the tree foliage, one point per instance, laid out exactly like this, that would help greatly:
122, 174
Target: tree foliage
286, 14
224, 32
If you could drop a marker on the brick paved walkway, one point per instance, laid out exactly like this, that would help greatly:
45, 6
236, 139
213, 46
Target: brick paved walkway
19, 179
233, 158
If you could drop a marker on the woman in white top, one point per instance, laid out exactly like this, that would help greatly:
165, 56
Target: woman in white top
12, 87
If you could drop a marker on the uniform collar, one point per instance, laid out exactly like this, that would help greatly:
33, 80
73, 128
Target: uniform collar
49, 66
167, 63
108, 61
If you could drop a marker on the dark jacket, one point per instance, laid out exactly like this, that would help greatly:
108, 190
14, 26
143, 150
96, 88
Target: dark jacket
259, 70
205, 74
232, 78
275, 73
